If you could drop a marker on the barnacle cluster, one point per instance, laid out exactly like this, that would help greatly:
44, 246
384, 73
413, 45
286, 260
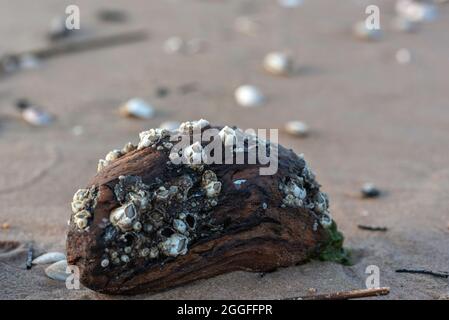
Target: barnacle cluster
301, 190
114, 155
83, 205
159, 220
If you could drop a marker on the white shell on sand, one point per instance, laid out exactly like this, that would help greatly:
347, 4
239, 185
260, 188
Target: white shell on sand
57, 271
297, 128
248, 96
137, 108
417, 11
36, 117
361, 31
278, 63
49, 257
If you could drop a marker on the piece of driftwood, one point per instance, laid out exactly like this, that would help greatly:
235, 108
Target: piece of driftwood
144, 224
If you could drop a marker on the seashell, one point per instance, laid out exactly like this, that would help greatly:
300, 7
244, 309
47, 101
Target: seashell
403, 56
57, 271
249, 96
170, 125
278, 63
33, 115
49, 257
137, 108
369, 190
362, 32
297, 128
416, 11
290, 3
174, 45
197, 223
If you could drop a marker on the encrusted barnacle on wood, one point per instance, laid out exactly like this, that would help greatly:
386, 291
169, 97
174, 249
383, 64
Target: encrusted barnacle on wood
155, 224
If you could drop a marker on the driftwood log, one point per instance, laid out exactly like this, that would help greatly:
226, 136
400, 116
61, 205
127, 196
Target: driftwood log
144, 224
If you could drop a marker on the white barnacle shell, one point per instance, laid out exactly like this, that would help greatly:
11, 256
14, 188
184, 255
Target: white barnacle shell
194, 154
175, 245
362, 32
297, 128
49, 257
102, 164
124, 217
57, 271
113, 155
152, 136
248, 96
179, 225
128, 148
228, 136
80, 194
326, 220
193, 126
278, 63
210, 184
137, 108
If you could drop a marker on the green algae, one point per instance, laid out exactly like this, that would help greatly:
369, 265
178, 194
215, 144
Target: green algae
334, 250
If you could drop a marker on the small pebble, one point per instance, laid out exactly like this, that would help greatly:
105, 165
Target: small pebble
162, 92
417, 11
369, 190
403, 56
297, 128
112, 15
5, 226
174, 45
403, 24
77, 130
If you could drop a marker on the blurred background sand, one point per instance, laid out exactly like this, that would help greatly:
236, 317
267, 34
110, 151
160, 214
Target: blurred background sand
371, 119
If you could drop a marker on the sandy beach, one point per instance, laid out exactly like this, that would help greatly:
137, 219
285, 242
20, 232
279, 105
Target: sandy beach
372, 119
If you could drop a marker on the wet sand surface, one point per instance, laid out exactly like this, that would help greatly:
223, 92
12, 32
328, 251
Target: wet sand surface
371, 119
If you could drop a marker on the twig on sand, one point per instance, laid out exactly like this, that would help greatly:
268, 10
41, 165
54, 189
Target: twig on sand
29, 261
423, 271
345, 295
372, 228
73, 46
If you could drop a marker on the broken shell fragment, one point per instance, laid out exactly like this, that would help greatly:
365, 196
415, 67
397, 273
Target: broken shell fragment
248, 96
151, 224
297, 128
278, 63
174, 45
49, 257
137, 108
